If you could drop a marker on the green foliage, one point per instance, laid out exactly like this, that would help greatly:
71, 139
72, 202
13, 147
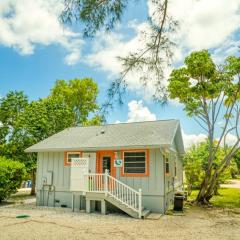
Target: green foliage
11, 106
227, 198
24, 124
11, 176
94, 14
210, 94
199, 79
80, 96
196, 162
237, 160
194, 166
42, 119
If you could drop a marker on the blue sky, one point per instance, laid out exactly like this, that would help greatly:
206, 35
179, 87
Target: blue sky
35, 50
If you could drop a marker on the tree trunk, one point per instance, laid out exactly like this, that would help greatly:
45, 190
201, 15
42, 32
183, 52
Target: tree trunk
33, 178
201, 198
189, 189
216, 193
208, 188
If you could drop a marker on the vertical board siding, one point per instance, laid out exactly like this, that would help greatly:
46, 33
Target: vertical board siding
61, 171
160, 171
66, 175
171, 177
50, 161
54, 161
179, 162
39, 171
152, 185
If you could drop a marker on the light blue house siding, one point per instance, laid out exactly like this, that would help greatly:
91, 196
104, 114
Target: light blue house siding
157, 188
160, 138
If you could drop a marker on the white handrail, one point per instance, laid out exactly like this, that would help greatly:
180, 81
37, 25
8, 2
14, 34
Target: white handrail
103, 182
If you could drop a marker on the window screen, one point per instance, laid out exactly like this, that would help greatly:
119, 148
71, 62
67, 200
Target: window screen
72, 155
175, 169
106, 163
134, 162
166, 164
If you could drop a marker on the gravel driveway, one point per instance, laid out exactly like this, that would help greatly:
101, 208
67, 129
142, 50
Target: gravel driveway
49, 223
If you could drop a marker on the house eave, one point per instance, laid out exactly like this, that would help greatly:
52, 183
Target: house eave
91, 149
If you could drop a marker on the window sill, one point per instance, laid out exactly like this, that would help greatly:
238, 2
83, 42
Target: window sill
134, 175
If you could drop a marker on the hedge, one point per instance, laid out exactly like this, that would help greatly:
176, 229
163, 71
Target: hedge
11, 176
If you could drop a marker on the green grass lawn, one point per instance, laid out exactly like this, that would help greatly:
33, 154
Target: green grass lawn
228, 198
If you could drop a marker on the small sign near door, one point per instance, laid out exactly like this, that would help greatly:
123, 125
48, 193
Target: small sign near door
118, 162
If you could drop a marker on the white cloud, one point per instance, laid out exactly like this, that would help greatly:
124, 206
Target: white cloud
230, 140
205, 24
137, 112
109, 46
192, 139
202, 24
25, 24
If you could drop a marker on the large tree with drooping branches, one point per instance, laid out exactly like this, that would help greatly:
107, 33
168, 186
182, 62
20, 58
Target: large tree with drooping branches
149, 61
211, 95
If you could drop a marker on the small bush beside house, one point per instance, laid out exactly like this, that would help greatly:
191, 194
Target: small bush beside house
11, 177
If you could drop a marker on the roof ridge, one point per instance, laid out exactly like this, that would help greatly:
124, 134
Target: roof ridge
123, 123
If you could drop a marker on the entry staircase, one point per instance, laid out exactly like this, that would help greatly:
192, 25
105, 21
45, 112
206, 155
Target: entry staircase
104, 185
117, 193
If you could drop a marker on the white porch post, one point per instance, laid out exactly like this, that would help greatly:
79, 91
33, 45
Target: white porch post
73, 202
103, 207
140, 204
86, 177
88, 205
106, 182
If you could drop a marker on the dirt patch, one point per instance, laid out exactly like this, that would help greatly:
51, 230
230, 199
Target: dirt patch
50, 223
234, 183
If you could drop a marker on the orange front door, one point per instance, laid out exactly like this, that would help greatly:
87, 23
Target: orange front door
105, 160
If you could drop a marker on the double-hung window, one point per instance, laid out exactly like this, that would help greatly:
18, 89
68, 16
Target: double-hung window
135, 163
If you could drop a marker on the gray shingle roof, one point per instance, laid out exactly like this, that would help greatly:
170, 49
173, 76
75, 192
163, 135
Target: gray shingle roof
112, 136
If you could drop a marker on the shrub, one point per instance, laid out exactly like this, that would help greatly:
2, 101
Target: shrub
11, 177
195, 162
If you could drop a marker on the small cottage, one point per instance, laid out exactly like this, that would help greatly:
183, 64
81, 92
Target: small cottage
132, 167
